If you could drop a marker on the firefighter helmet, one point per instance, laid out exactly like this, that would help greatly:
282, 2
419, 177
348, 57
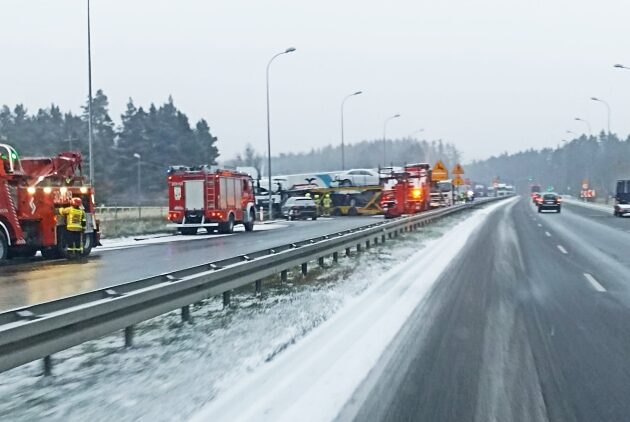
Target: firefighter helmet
76, 202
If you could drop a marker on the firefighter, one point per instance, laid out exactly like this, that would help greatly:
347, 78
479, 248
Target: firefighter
75, 226
327, 203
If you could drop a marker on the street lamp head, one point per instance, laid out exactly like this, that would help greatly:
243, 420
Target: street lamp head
136, 155
396, 115
290, 50
620, 66
577, 118
595, 99
358, 92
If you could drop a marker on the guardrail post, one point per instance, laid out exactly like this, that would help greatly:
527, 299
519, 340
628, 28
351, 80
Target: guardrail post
347, 251
335, 257
129, 336
186, 313
320, 262
305, 268
258, 287
283, 276
367, 244
47, 361
383, 239
358, 247
226, 299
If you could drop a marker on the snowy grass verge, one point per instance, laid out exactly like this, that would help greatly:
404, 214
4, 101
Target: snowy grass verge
175, 368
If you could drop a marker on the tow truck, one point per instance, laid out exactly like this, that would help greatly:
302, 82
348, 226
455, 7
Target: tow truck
210, 197
622, 198
406, 191
32, 191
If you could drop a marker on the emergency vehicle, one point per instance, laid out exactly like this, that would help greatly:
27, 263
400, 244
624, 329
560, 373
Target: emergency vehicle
32, 192
406, 191
211, 198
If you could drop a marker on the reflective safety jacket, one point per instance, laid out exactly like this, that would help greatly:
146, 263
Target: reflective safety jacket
327, 202
75, 219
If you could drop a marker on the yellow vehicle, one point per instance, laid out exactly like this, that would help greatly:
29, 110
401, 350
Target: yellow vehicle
350, 200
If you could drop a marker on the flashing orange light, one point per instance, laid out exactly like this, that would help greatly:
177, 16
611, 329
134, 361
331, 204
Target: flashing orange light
416, 193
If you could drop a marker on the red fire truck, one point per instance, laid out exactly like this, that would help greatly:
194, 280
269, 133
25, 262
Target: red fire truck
210, 197
32, 191
406, 190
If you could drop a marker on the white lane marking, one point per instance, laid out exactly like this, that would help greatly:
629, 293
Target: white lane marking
539, 225
564, 251
594, 282
547, 234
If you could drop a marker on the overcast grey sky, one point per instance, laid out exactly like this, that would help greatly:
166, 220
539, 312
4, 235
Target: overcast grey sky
488, 76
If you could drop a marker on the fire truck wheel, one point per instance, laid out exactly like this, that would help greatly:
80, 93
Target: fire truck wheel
249, 226
4, 247
88, 244
188, 231
227, 228
353, 211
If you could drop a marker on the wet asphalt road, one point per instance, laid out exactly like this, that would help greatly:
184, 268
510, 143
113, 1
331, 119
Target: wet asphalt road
37, 282
530, 323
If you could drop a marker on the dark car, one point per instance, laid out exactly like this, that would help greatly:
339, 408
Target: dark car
549, 201
299, 207
622, 198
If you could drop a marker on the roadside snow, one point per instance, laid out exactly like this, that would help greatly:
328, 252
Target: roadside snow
136, 241
598, 207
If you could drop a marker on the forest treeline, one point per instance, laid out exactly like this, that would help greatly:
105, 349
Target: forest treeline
601, 160
160, 135
364, 154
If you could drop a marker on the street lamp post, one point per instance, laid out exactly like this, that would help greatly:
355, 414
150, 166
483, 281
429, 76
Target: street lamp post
139, 157
343, 151
607, 108
288, 50
90, 129
395, 116
588, 125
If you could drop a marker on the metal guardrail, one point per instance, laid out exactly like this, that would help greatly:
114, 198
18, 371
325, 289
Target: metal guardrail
38, 331
115, 213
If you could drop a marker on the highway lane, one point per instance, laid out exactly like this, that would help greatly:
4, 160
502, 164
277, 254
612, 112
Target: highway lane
530, 323
28, 284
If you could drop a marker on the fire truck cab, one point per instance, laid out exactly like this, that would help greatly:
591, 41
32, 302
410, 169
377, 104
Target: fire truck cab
32, 192
210, 197
405, 191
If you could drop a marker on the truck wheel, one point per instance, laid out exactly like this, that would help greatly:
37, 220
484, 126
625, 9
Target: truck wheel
88, 244
227, 228
353, 212
346, 183
188, 231
4, 246
249, 226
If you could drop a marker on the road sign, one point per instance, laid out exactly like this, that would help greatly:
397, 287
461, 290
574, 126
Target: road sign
439, 171
457, 180
458, 169
585, 184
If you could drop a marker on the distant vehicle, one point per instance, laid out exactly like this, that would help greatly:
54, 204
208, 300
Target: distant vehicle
549, 201
358, 177
535, 197
299, 207
622, 198
480, 190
